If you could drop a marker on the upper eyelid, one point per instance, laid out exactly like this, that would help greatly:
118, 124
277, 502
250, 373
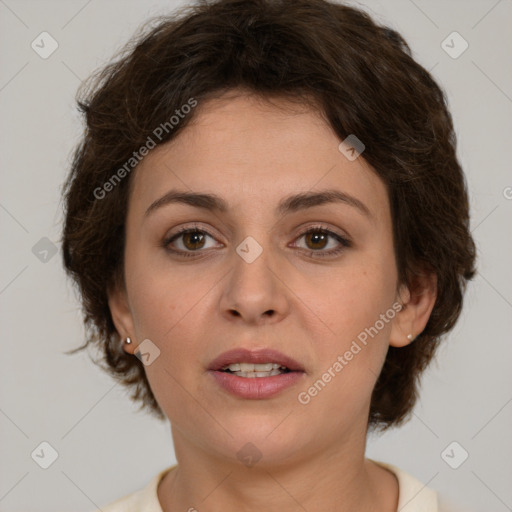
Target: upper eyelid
313, 227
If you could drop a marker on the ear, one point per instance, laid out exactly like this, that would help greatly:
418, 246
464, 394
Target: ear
417, 299
122, 316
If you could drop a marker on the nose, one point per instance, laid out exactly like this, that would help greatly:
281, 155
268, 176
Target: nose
255, 291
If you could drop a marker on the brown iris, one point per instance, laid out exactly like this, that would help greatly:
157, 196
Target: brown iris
196, 240
315, 237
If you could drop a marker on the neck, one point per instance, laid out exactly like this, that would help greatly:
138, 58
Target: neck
338, 478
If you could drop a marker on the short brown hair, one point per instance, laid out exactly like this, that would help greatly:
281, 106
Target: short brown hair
361, 77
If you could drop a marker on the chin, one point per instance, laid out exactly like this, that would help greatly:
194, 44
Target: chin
270, 442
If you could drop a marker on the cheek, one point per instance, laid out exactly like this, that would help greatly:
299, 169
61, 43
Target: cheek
357, 306
168, 308
163, 312
160, 297
353, 297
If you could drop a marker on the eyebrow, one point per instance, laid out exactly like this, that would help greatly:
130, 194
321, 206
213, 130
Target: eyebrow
290, 204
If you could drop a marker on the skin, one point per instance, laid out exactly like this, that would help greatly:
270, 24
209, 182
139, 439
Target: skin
253, 154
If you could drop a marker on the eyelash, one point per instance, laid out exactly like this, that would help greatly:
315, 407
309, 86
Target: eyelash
344, 242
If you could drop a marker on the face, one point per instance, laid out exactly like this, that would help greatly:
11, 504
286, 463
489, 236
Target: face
305, 278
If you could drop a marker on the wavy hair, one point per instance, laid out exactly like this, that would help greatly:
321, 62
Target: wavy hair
363, 79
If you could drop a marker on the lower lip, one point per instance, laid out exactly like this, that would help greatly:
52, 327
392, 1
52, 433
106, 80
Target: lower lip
256, 388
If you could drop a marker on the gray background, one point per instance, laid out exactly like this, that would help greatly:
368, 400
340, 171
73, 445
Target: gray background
107, 449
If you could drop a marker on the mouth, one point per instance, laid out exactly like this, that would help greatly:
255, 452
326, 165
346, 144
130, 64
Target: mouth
250, 363
257, 374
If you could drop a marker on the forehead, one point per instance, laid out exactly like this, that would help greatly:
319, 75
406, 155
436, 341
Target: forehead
253, 152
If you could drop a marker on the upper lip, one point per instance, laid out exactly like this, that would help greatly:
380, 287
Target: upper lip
265, 355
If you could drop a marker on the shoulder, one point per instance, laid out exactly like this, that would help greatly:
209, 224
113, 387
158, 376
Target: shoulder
144, 499
413, 495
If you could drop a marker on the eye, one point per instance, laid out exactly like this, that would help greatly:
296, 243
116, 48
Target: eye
317, 239
188, 240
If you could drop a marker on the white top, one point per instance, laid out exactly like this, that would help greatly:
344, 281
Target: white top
413, 495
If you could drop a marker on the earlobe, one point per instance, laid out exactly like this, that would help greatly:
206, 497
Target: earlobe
128, 345
417, 299
122, 317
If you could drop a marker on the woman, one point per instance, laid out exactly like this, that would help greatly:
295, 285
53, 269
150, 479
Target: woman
268, 225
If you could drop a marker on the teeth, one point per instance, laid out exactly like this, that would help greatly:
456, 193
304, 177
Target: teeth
251, 375
249, 367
